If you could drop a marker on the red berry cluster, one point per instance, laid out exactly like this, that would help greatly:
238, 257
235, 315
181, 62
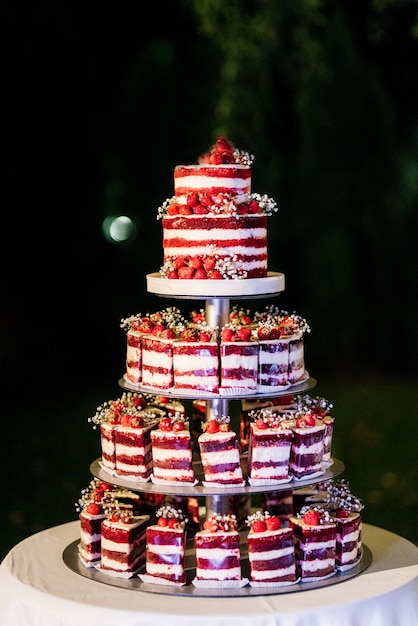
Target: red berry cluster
222, 152
191, 333
220, 523
236, 333
172, 424
194, 267
259, 522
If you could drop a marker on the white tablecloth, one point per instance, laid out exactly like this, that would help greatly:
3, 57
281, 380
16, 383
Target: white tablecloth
38, 589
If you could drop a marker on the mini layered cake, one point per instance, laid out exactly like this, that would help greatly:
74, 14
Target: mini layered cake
172, 452
271, 552
165, 543
347, 512
280, 404
218, 556
219, 453
315, 535
133, 444
281, 349
320, 407
270, 445
136, 326
196, 360
239, 360
213, 227
123, 543
91, 511
306, 454
157, 349
108, 417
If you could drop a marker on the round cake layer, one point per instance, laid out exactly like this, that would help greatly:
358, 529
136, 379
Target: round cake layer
212, 179
242, 239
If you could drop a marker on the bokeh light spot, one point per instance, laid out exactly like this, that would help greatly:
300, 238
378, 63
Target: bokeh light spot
118, 228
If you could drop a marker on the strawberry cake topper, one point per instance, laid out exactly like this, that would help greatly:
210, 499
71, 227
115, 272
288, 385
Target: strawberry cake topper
224, 152
221, 523
170, 517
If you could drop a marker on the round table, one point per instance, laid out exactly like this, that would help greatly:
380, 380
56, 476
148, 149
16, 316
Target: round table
37, 588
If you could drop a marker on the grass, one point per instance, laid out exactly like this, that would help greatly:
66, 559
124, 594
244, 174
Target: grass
48, 456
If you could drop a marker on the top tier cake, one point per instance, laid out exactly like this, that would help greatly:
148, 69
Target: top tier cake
214, 227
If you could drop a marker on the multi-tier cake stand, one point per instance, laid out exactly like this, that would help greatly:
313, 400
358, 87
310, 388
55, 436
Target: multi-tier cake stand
217, 295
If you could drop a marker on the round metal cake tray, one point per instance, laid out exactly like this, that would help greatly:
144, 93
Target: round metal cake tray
199, 490
305, 385
72, 561
248, 288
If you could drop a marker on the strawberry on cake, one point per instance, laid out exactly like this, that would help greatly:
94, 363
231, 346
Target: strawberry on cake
271, 553
218, 556
165, 545
213, 226
196, 360
269, 450
219, 453
315, 535
136, 326
239, 360
172, 452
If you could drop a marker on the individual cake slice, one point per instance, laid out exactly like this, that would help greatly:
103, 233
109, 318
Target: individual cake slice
281, 357
269, 450
123, 543
136, 326
238, 360
347, 511
165, 545
108, 416
320, 407
157, 360
172, 452
91, 515
315, 535
133, 444
306, 454
98, 498
280, 404
271, 552
219, 453
196, 360
157, 349
218, 556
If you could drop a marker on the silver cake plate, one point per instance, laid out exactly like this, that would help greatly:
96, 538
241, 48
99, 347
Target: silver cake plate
271, 285
335, 468
73, 562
